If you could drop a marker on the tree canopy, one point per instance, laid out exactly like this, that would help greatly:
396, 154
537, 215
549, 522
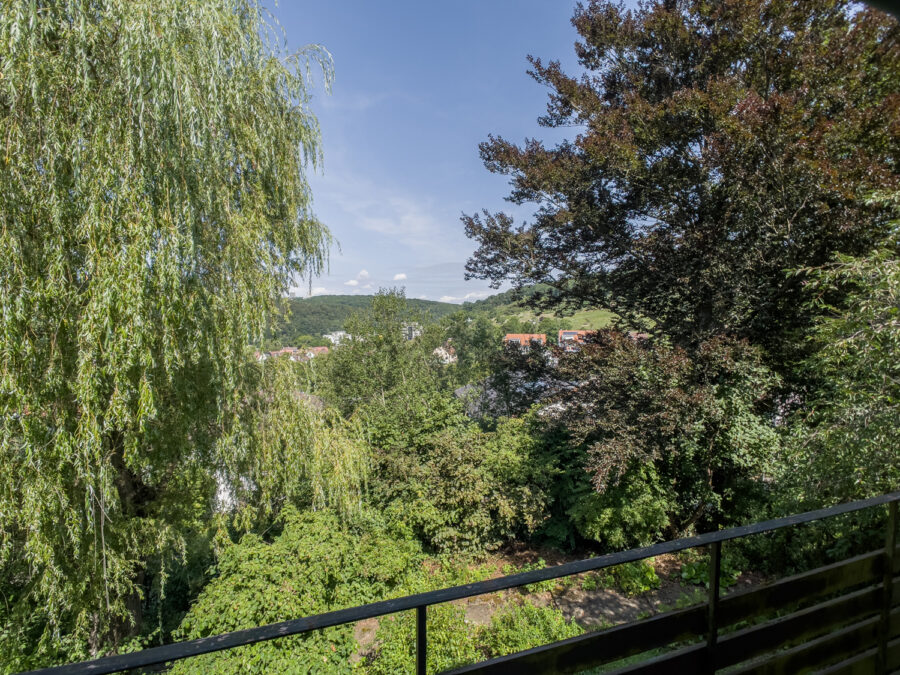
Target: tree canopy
154, 208
718, 146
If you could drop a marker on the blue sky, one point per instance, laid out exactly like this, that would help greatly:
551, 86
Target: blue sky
417, 86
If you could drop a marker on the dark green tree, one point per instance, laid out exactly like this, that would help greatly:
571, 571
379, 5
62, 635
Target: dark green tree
845, 438
718, 146
672, 440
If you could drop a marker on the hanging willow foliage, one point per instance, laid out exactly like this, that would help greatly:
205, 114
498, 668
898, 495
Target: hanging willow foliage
153, 208
303, 452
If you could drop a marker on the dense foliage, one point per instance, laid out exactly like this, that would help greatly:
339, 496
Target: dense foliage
846, 441
719, 146
304, 321
314, 565
730, 192
154, 207
672, 441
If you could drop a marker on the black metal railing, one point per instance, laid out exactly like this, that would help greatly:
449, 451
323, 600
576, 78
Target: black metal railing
871, 640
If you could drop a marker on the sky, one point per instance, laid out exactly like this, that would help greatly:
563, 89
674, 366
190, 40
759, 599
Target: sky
417, 86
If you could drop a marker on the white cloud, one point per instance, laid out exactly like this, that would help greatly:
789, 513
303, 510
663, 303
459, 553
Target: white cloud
400, 277
352, 282
363, 274
475, 295
318, 290
368, 287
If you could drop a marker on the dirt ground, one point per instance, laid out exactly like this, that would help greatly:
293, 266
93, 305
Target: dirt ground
593, 609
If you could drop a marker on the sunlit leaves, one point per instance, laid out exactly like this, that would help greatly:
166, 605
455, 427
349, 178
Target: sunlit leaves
153, 208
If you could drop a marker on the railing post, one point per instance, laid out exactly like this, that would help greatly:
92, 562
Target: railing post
421, 641
712, 627
890, 546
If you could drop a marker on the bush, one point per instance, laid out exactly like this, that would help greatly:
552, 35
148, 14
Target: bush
464, 489
313, 566
635, 512
518, 627
451, 642
697, 572
633, 578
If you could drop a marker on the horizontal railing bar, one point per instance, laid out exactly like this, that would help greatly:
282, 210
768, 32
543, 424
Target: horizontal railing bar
801, 626
804, 587
598, 648
684, 660
823, 651
863, 663
180, 650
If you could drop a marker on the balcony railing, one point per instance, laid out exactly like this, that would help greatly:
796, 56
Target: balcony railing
841, 618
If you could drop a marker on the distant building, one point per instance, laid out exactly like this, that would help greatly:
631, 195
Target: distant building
411, 331
337, 337
446, 353
524, 340
571, 340
313, 352
293, 353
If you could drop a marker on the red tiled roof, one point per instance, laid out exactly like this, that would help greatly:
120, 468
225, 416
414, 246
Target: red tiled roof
526, 337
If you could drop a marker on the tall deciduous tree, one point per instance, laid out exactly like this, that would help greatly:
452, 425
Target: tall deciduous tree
153, 207
718, 145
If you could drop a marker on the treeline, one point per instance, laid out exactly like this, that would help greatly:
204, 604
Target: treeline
303, 321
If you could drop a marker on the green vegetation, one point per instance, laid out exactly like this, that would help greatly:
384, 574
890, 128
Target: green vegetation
304, 321
155, 207
158, 483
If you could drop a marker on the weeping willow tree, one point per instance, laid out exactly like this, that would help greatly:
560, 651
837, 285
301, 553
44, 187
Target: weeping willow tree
153, 208
304, 453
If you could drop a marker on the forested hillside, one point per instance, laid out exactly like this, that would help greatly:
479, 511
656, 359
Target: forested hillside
305, 320
724, 213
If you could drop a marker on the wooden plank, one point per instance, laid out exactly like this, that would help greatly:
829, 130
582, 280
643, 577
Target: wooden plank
808, 586
824, 651
685, 660
890, 548
894, 624
893, 654
595, 649
798, 627
861, 664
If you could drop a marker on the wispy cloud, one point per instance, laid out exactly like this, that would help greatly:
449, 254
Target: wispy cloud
351, 282
400, 277
409, 221
363, 274
476, 295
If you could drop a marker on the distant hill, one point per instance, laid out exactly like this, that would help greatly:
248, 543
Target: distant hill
311, 318
314, 317
502, 307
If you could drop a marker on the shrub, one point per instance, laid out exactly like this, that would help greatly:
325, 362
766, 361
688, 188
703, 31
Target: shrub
313, 566
518, 627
